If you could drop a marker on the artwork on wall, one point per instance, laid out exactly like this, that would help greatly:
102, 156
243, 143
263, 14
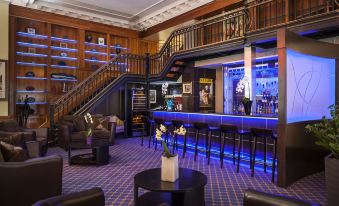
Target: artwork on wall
152, 96
206, 92
187, 88
3, 79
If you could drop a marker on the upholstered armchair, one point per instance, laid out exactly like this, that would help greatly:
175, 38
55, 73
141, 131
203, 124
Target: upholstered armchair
36, 139
24, 183
92, 197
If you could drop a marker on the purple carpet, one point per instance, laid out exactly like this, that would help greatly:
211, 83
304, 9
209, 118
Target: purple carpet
224, 187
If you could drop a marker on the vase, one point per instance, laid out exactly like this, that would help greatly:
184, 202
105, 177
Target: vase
169, 168
247, 107
332, 180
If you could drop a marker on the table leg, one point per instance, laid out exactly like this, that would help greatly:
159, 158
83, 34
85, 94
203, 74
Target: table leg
195, 197
136, 195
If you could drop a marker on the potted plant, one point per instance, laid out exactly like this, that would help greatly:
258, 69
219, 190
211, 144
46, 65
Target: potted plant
169, 161
246, 101
327, 132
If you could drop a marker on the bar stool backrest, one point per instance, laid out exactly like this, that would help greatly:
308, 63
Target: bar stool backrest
228, 128
158, 121
200, 125
260, 132
177, 123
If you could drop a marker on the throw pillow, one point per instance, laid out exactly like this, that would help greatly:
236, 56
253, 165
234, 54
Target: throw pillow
16, 139
100, 123
12, 153
79, 123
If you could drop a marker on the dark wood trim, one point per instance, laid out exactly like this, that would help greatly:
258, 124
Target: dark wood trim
12, 71
6, 79
193, 14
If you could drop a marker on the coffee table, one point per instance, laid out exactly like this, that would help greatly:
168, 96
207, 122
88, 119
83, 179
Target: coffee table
99, 156
188, 190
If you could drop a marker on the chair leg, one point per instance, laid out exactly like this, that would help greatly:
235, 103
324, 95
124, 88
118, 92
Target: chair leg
222, 150
150, 136
209, 148
233, 148
254, 154
196, 145
239, 148
265, 153
174, 140
250, 142
274, 159
184, 152
206, 142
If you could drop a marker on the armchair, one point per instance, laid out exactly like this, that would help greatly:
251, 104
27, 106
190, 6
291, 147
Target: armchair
94, 196
36, 139
23, 183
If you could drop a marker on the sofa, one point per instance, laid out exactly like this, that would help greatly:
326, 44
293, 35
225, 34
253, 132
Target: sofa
91, 197
256, 198
36, 139
24, 183
74, 128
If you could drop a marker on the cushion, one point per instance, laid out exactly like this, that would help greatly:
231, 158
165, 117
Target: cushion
16, 139
79, 123
10, 126
12, 153
99, 123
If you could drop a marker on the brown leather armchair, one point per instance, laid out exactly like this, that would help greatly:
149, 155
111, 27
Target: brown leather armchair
72, 128
24, 183
36, 139
92, 197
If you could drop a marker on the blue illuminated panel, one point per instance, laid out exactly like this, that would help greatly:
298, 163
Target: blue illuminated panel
63, 67
31, 78
25, 44
30, 54
35, 36
66, 58
94, 60
311, 86
63, 49
72, 41
94, 44
95, 52
31, 64
32, 103
33, 91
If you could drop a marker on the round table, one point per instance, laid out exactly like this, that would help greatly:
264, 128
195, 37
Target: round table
188, 190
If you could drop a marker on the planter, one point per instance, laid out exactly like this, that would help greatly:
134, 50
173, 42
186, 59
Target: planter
247, 107
332, 180
169, 168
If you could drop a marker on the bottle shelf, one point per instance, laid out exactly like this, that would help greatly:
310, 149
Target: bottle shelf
119, 47
26, 54
58, 39
63, 67
95, 44
34, 36
26, 44
31, 64
95, 52
65, 58
95, 61
64, 80
32, 103
63, 49
33, 91
31, 78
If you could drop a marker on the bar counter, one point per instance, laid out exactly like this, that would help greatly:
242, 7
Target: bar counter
215, 119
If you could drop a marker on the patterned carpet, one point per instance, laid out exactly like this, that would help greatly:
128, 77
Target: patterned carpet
224, 187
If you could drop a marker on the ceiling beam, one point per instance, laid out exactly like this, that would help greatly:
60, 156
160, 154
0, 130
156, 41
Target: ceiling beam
193, 14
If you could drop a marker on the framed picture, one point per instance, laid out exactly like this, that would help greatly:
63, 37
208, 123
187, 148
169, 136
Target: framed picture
63, 45
101, 41
30, 30
206, 92
187, 88
3, 79
31, 50
152, 96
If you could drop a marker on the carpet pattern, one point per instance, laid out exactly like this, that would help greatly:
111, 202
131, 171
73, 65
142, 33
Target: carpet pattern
224, 187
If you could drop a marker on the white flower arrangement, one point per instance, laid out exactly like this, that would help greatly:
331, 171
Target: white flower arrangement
89, 120
158, 136
180, 131
241, 87
163, 128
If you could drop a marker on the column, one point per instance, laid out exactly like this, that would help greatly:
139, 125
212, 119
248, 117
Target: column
250, 66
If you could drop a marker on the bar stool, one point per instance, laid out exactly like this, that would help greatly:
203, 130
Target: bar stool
187, 126
241, 133
144, 121
176, 125
227, 129
264, 134
151, 131
211, 129
200, 127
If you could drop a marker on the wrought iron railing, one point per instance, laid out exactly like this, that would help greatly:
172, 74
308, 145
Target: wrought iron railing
236, 24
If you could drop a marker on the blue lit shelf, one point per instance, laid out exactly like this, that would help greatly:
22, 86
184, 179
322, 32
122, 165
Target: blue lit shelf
72, 41
63, 49
31, 78
94, 44
33, 91
64, 80
95, 52
66, 58
25, 44
112, 55
63, 67
32, 103
119, 47
30, 54
31, 64
95, 61
35, 36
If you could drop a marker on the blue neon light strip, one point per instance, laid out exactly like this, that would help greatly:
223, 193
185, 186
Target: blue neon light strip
25, 44
94, 60
32, 103
63, 67
259, 59
94, 44
31, 54
66, 58
31, 64
94, 52
113, 55
120, 63
72, 41
33, 91
63, 49
35, 36
32, 78
64, 80
119, 47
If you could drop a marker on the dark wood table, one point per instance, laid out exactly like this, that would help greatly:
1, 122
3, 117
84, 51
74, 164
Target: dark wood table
188, 190
99, 156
